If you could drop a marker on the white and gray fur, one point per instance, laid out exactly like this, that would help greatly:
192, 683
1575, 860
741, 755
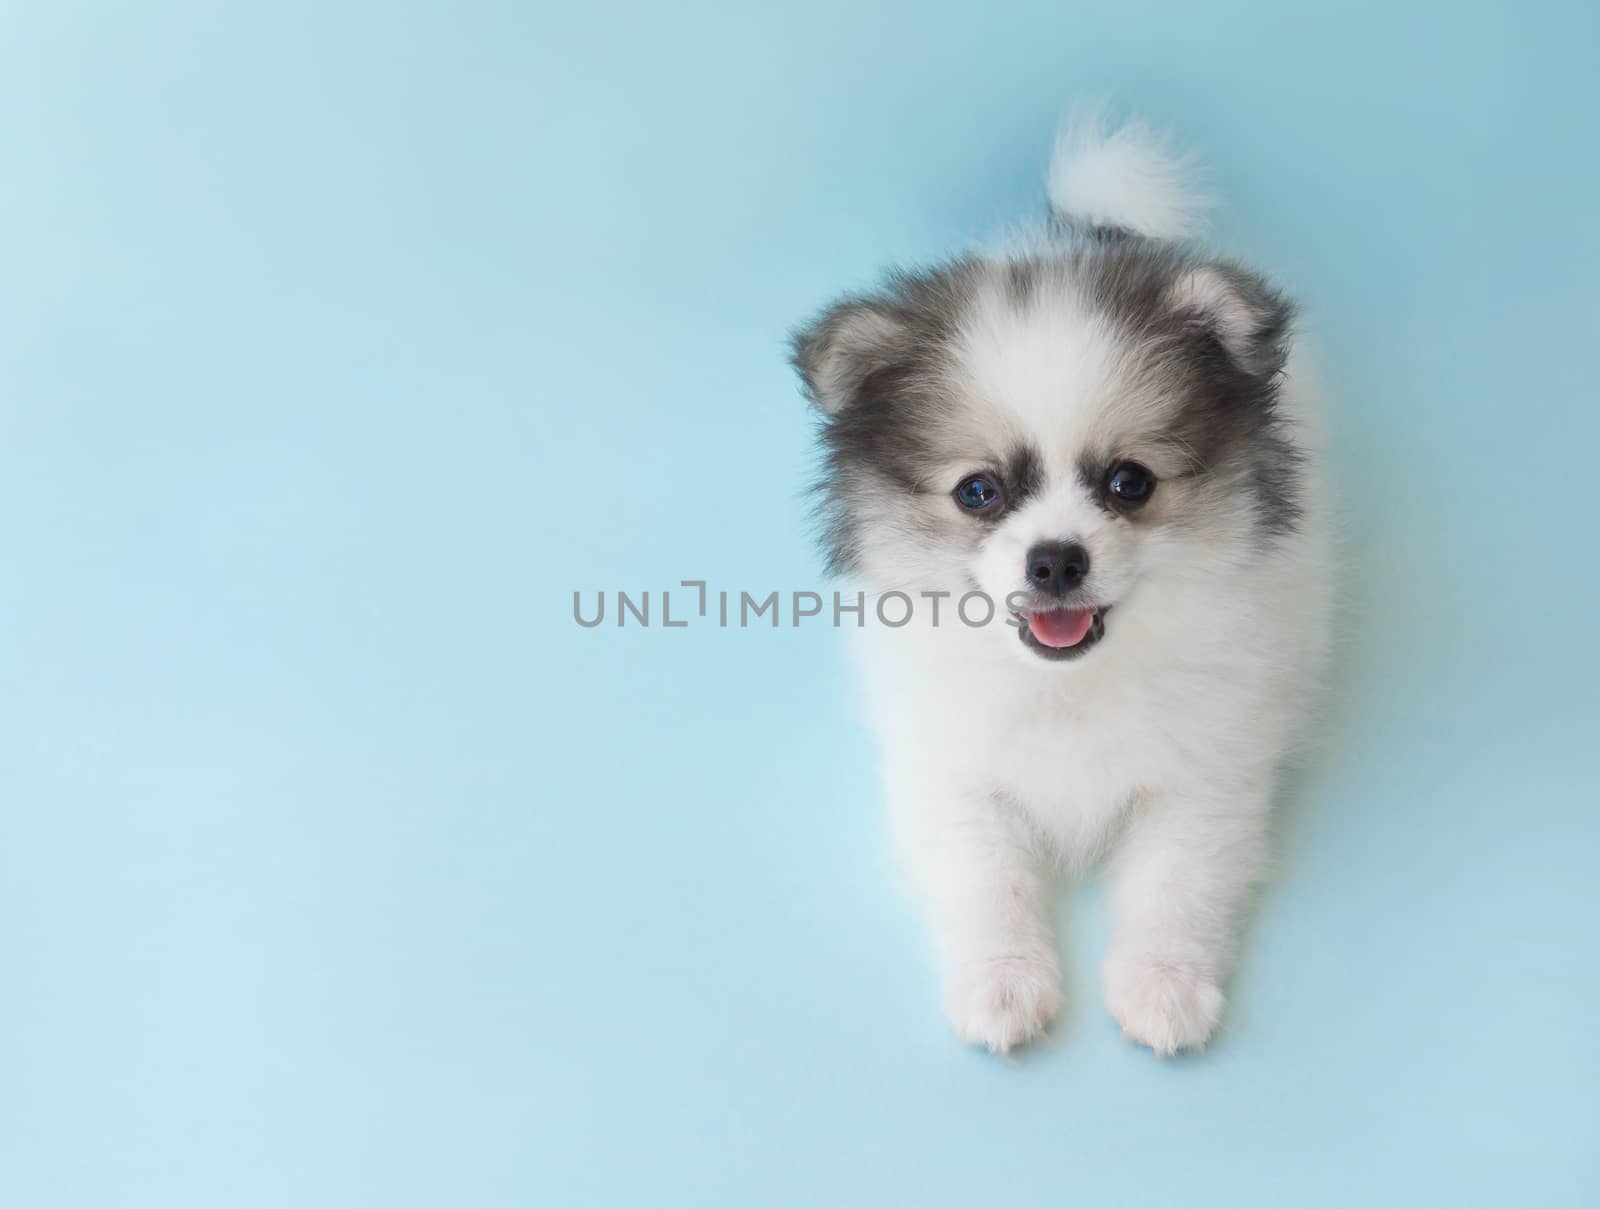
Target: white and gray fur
1113, 338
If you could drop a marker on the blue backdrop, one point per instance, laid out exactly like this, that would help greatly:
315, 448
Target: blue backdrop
341, 343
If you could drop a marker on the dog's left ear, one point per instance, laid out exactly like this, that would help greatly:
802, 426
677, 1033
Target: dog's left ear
846, 347
1249, 318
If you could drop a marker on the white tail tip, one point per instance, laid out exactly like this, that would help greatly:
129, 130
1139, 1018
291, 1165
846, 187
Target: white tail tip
1128, 177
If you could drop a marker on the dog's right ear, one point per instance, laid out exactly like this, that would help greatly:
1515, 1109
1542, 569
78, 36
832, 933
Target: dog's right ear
850, 343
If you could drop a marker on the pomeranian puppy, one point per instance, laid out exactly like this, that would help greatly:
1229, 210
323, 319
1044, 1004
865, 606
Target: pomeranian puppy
1107, 438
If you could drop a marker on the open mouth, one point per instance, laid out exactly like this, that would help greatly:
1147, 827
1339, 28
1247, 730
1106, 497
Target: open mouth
1062, 633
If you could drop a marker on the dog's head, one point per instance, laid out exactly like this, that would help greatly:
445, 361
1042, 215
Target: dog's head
1070, 433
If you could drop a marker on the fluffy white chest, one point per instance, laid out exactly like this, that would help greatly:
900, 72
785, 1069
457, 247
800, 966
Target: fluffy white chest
1073, 773
1073, 753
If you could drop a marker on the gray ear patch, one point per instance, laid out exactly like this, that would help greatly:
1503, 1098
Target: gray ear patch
851, 342
1248, 317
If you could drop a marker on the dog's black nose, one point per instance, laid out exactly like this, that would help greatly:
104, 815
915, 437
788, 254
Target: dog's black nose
1057, 567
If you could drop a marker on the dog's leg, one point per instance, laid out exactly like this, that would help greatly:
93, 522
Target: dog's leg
987, 893
1180, 881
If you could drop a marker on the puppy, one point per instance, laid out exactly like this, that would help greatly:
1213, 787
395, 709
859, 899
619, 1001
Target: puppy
1107, 436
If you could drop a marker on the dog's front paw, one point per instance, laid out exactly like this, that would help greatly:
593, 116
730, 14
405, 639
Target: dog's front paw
1165, 1005
1002, 1002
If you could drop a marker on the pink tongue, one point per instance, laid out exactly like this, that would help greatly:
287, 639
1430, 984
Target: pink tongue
1061, 627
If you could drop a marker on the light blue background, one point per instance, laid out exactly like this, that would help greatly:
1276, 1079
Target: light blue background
339, 343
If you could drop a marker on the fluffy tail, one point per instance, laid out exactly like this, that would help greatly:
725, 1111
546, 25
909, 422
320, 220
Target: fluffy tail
1127, 177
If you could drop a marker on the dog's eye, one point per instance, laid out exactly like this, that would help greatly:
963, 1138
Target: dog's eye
977, 493
1131, 483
